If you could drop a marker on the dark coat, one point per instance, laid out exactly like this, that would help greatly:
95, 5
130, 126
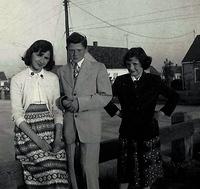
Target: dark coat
138, 101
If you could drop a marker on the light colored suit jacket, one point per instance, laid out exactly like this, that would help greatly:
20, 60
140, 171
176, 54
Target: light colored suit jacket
93, 90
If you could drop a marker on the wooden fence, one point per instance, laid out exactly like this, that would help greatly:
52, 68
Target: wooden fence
180, 134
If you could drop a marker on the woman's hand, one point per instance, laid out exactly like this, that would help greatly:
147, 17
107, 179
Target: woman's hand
58, 144
44, 146
34, 137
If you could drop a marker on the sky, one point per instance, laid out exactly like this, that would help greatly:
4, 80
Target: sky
165, 29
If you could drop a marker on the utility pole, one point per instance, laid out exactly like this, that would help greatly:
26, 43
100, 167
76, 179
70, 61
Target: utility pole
194, 33
66, 3
126, 35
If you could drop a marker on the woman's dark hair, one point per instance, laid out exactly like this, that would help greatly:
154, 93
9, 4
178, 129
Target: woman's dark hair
40, 46
77, 38
140, 54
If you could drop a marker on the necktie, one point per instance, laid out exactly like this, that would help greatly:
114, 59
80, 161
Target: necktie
76, 70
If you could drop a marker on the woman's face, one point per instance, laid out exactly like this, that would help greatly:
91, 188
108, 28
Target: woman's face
134, 67
39, 60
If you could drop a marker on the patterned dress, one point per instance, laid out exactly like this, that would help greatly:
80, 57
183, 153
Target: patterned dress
139, 162
41, 169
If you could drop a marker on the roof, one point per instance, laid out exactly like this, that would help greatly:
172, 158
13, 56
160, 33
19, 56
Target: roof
112, 57
2, 76
153, 70
193, 52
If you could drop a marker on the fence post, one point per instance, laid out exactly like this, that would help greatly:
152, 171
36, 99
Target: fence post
181, 149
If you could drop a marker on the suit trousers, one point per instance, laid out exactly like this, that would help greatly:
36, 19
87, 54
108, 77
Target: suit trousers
89, 160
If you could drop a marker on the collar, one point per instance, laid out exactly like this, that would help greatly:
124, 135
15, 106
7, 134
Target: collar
80, 62
136, 79
31, 73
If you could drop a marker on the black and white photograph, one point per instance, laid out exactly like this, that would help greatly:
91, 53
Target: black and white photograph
99, 94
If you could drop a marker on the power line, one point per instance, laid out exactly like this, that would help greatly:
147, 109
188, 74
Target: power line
86, 3
159, 11
20, 19
43, 21
156, 20
147, 14
131, 41
121, 29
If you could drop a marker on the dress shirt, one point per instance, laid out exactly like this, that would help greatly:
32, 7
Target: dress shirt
24, 91
79, 63
135, 79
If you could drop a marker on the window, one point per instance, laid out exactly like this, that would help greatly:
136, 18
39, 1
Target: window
197, 75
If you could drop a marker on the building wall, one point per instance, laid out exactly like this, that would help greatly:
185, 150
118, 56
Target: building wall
188, 76
191, 76
113, 73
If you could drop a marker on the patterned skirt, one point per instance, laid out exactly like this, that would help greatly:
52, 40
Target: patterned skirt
41, 169
139, 163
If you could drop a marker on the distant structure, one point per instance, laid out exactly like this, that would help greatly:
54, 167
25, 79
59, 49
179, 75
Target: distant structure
112, 57
177, 72
153, 70
3, 79
191, 66
4, 86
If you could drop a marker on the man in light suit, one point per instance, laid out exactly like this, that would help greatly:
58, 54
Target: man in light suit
86, 90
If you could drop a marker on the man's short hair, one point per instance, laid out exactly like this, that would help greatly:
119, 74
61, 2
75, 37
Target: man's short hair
76, 37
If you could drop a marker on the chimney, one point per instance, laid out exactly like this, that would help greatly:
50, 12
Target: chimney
95, 43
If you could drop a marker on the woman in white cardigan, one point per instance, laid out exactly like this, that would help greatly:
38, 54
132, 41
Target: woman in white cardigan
38, 122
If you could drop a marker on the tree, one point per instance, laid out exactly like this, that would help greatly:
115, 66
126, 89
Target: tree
168, 72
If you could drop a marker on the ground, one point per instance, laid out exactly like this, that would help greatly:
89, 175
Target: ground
109, 129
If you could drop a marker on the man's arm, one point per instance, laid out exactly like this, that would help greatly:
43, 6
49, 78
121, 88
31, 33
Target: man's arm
103, 94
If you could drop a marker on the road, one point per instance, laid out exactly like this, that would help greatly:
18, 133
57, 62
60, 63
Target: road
109, 129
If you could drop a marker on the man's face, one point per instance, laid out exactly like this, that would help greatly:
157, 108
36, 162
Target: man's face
134, 67
76, 52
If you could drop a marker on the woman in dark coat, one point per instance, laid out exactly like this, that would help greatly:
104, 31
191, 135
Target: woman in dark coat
139, 162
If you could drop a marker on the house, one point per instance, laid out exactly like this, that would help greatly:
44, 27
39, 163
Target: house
177, 72
4, 86
112, 57
191, 66
153, 70
3, 79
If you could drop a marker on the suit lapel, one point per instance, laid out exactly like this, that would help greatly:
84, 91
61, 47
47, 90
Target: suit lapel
83, 73
68, 75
